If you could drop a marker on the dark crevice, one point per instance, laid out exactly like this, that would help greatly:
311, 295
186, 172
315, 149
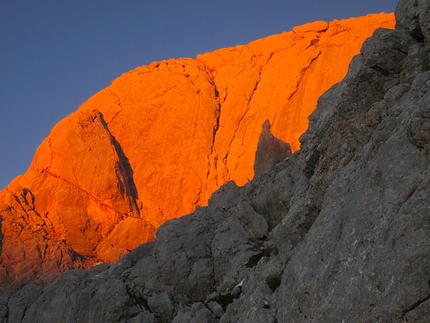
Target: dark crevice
1, 235
139, 300
143, 303
216, 127
258, 82
217, 115
28, 197
81, 189
416, 304
302, 75
273, 281
74, 256
225, 299
252, 262
124, 166
410, 193
247, 105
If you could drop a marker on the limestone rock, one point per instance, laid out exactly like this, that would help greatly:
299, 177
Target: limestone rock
342, 237
160, 140
338, 238
414, 17
162, 305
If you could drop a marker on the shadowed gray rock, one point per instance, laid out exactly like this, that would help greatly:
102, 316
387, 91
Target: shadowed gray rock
338, 232
270, 150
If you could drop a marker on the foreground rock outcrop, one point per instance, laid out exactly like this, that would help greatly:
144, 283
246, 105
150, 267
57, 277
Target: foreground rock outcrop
338, 232
160, 140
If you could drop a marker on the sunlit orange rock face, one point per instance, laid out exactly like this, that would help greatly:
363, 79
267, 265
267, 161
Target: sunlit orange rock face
160, 140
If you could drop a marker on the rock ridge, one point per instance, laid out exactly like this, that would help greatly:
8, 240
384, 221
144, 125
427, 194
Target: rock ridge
336, 232
160, 140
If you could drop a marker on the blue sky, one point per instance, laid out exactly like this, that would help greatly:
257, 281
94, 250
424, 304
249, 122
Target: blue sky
56, 54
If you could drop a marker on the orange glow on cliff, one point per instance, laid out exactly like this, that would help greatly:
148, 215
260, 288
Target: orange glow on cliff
161, 139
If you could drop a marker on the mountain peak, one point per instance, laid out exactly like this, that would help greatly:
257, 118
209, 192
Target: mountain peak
161, 139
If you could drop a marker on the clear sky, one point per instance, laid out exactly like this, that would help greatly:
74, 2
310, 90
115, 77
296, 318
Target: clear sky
56, 54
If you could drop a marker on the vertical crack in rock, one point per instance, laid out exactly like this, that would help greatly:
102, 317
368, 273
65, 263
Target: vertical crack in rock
211, 157
302, 73
212, 152
1, 235
52, 153
257, 83
129, 186
217, 110
248, 106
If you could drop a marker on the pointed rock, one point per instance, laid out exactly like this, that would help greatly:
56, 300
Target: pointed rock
270, 150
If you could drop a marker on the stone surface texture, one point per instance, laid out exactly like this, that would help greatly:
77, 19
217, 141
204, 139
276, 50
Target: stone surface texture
337, 232
162, 138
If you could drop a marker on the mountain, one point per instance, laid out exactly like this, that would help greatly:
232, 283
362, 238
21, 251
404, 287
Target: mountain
339, 231
160, 140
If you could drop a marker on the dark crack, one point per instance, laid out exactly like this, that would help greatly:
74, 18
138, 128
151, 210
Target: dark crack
254, 259
226, 298
416, 304
124, 166
217, 117
248, 104
74, 256
302, 74
258, 81
139, 300
81, 189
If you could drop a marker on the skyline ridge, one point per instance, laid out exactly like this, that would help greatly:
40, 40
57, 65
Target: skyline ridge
49, 70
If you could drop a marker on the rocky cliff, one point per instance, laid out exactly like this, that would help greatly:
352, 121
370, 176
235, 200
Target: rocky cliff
337, 232
160, 140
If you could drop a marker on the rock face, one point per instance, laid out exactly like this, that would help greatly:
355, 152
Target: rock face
337, 232
160, 140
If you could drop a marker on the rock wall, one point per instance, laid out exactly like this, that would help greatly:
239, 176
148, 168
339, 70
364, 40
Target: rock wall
338, 232
160, 140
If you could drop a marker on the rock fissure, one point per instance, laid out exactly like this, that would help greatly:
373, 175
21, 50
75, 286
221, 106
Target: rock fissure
87, 193
51, 153
302, 72
124, 167
246, 110
415, 305
257, 82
